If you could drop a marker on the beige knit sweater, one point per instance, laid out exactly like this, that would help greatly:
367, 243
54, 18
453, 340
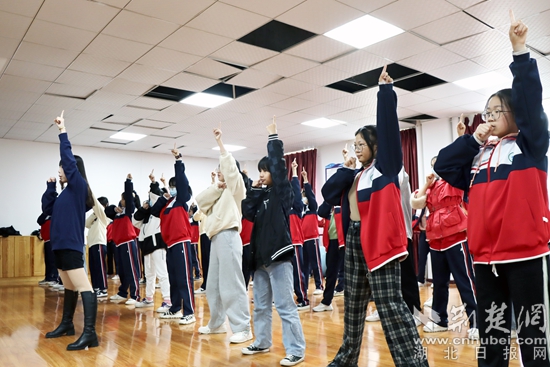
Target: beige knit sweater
223, 206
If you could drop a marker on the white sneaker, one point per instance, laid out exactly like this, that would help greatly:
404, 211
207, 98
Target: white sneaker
200, 291
170, 315
130, 301
429, 302
157, 285
61, 288
251, 283
373, 317
317, 292
101, 293
165, 307
186, 320
144, 303
207, 330
56, 286
291, 360
116, 277
322, 307
432, 327
514, 334
473, 334
338, 294
301, 306
116, 297
241, 337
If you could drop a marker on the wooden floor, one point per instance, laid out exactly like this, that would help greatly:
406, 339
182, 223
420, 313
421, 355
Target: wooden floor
137, 337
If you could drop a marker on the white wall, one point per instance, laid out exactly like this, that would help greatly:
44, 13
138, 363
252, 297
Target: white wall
25, 166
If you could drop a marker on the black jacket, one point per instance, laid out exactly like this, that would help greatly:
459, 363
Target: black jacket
268, 209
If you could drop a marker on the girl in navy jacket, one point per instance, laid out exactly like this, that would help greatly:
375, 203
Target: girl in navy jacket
508, 210
376, 238
67, 238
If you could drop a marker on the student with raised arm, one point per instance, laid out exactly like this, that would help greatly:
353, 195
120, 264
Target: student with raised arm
310, 230
97, 223
506, 179
376, 238
267, 204
44, 220
124, 236
67, 237
153, 249
176, 232
226, 292
297, 237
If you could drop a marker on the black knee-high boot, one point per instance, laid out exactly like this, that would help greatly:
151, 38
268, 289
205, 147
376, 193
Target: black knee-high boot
69, 305
88, 337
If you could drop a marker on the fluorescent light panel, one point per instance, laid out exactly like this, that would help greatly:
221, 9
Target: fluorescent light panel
323, 123
127, 136
482, 81
206, 100
230, 148
364, 31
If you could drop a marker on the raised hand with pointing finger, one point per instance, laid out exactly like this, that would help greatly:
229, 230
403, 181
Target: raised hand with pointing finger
517, 33
60, 122
294, 166
218, 136
461, 127
385, 77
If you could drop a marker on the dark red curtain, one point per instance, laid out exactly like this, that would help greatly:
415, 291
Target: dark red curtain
410, 157
306, 159
410, 163
471, 128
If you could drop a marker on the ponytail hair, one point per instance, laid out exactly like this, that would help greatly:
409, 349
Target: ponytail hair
90, 202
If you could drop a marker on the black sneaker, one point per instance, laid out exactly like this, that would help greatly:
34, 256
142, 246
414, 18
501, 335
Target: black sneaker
303, 306
291, 360
251, 349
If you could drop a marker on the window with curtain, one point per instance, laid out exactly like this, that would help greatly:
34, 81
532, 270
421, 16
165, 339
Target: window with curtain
306, 159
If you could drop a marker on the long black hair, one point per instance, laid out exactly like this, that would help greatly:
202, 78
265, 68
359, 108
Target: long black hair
80, 166
370, 135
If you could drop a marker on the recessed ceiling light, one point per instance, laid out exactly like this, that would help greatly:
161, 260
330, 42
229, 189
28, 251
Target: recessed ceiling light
205, 100
323, 123
127, 136
482, 81
230, 148
364, 31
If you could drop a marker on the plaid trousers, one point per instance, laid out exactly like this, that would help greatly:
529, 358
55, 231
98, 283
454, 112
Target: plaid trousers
384, 285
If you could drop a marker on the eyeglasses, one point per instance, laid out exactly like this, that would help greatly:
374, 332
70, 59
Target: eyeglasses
358, 147
495, 115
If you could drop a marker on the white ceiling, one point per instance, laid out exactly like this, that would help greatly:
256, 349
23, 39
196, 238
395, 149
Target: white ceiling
94, 59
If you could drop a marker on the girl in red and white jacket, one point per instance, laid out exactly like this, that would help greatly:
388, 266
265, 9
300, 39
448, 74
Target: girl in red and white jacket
376, 237
446, 235
508, 213
176, 233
